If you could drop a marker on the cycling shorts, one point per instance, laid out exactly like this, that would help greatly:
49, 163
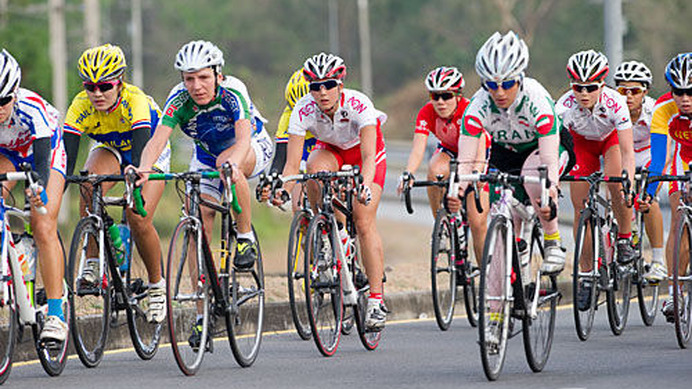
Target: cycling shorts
589, 153
163, 163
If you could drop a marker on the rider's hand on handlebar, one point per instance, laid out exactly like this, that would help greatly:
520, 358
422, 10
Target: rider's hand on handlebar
141, 174
406, 178
548, 211
364, 194
34, 196
453, 202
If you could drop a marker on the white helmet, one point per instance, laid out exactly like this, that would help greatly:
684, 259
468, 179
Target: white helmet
633, 71
502, 57
679, 71
198, 55
321, 66
10, 74
587, 66
445, 78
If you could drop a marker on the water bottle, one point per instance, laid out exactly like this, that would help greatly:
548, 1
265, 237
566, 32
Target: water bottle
118, 245
26, 256
126, 237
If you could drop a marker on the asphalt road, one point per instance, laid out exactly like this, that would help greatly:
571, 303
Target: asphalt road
412, 354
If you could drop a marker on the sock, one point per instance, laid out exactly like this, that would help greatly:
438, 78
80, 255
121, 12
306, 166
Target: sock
657, 255
553, 236
670, 290
375, 296
246, 235
199, 317
160, 284
55, 308
625, 236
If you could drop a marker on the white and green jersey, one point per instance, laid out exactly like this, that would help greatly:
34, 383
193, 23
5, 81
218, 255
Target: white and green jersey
531, 116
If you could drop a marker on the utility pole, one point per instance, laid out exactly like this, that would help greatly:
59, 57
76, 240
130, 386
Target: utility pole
58, 51
613, 31
365, 56
333, 27
92, 23
137, 67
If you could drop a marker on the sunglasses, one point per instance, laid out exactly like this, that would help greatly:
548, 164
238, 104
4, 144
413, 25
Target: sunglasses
508, 84
590, 88
327, 84
434, 96
6, 100
103, 86
680, 92
634, 90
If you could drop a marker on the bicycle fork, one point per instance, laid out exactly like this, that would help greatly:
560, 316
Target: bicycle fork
26, 311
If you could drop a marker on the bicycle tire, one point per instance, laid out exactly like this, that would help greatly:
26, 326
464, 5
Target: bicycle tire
186, 292
145, 336
349, 321
443, 271
583, 319
542, 289
245, 319
619, 286
8, 326
323, 288
495, 255
369, 339
682, 293
295, 274
647, 291
471, 272
90, 309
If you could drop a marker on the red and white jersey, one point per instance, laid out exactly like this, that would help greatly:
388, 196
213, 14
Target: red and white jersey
641, 129
446, 130
355, 112
32, 118
608, 114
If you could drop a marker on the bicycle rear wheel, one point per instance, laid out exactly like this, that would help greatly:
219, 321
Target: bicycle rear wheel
541, 297
295, 274
8, 325
53, 355
620, 284
323, 289
187, 293
442, 270
369, 339
682, 282
647, 291
493, 299
584, 283
90, 304
245, 319
145, 335
471, 272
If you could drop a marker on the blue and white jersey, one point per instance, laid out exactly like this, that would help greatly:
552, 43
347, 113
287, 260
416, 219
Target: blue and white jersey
32, 118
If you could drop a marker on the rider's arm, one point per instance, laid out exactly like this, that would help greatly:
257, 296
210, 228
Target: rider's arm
42, 151
154, 147
281, 143
660, 141
626, 140
236, 154
549, 152
294, 152
417, 152
71, 141
368, 150
140, 137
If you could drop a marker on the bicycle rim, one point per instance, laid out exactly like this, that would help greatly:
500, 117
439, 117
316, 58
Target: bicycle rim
90, 307
471, 288
647, 291
53, 355
493, 303
442, 271
8, 326
369, 339
295, 274
682, 283
323, 289
187, 293
618, 294
245, 319
539, 324
145, 335
585, 281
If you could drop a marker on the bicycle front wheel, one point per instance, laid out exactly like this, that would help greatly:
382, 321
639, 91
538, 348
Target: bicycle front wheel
585, 282
8, 325
187, 296
323, 289
541, 296
647, 291
90, 303
682, 282
245, 318
442, 270
295, 273
145, 335
493, 299
369, 339
619, 287
52, 355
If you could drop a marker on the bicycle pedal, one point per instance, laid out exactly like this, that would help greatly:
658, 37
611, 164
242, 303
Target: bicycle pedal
49, 344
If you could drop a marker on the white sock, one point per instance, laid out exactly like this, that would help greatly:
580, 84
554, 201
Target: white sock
199, 317
160, 284
657, 255
247, 235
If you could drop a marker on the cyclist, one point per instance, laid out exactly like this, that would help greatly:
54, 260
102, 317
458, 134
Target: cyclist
442, 116
218, 114
633, 80
599, 121
30, 132
671, 117
120, 118
348, 129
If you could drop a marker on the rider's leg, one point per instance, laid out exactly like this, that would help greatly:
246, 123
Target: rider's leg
478, 221
579, 191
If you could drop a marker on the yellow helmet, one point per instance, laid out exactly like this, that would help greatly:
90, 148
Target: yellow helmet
296, 88
102, 63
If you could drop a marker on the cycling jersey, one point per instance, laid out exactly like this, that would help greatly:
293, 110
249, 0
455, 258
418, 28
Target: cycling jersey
608, 114
282, 134
445, 130
517, 128
355, 111
641, 131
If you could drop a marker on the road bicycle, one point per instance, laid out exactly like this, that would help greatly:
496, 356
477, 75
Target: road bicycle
512, 286
333, 278
121, 284
596, 268
451, 267
197, 288
682, 272
22, 302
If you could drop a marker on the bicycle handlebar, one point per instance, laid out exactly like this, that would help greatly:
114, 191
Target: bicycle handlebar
198, 175
27, 174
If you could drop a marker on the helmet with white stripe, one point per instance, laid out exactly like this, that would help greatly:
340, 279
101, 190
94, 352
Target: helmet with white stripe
633, 71
10, 74
587, 66
445, 78
198, 55
323, 66
679, 71
502, 57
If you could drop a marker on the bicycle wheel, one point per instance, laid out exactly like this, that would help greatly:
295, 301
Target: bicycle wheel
585, 283
442, 270
540, 296
8, 325
471, 272
323, 289
369, 339
145, 335
90, 313
245, 319
296, 258
187, 295
647, 291
493, 299
620, 284
348, 321
682, 282
53, 355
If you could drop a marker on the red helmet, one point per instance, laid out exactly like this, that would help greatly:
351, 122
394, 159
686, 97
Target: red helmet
445, 79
